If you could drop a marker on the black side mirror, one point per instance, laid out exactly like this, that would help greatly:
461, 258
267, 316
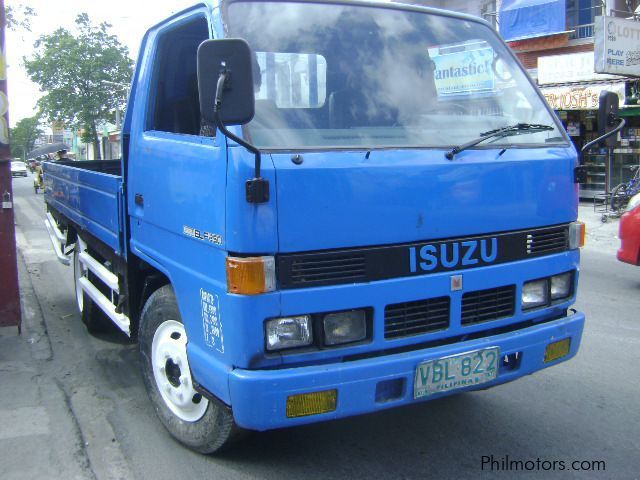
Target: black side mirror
608, 116
608, 125
233, 57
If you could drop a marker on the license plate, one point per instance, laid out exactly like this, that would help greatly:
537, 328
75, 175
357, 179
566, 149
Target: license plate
458, 371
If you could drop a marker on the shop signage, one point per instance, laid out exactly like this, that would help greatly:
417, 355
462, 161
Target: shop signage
617, 46
570, 68
463, 73
580, 97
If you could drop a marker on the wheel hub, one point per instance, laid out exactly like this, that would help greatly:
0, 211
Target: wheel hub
172, 374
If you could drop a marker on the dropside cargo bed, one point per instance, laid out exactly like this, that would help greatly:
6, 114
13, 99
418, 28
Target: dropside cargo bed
89, 195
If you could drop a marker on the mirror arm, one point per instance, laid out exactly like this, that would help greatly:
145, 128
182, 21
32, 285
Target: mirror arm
257, 189
589, 145
580, 172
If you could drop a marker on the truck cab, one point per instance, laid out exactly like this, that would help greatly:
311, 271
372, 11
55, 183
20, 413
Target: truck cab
417, 236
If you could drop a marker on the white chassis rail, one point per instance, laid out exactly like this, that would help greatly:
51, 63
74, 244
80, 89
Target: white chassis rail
58, 240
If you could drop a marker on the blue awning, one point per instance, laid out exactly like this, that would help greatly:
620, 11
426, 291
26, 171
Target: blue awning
522, 19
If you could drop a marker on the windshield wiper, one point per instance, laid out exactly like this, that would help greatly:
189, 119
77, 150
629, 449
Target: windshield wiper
517, 129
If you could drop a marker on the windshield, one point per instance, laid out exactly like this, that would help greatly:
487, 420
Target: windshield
356, 76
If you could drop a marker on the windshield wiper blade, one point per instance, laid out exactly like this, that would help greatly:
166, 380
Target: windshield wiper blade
517, 129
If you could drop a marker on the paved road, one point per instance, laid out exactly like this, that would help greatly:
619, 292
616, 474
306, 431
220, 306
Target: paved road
586, 409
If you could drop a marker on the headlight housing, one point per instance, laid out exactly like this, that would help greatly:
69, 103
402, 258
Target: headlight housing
345, 327
634, 202
544, 292
535, 294
561, 286
288, 332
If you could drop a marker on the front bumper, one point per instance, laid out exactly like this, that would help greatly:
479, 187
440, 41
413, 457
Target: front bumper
259, 397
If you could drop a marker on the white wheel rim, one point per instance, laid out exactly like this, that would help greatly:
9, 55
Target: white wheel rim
172, 374
79, 271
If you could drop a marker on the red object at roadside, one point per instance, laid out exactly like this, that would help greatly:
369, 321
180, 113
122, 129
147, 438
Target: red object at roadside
9, 294
629, 251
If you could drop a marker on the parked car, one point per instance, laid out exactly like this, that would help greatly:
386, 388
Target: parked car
629, 251
18, 169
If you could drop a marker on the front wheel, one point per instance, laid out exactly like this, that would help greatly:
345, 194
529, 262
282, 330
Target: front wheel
202, 425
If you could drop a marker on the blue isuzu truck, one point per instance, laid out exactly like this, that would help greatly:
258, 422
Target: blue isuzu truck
325, 210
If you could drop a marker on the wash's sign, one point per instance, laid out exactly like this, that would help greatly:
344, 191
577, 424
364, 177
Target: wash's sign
464, 73
580, 97
617, 46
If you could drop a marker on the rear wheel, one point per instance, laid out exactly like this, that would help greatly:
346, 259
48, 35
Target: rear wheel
94, 319
202, 425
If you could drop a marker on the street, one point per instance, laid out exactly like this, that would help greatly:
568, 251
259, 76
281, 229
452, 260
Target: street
585, 410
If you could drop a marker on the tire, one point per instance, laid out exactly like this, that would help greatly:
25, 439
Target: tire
619, 198
94, 319
203, 425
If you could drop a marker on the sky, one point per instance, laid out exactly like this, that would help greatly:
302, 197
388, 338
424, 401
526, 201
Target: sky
129, 18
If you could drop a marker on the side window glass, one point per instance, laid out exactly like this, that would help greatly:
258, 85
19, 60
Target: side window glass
175, 106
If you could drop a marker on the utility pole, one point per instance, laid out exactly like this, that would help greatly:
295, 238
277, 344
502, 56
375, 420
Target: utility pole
9, 293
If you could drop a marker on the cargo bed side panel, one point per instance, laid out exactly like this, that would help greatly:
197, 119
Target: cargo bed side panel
90, 199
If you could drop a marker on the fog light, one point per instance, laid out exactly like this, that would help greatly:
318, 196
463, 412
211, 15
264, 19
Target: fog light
561, 286
288, 332
535, 294
557, 350
312, 403
345, 327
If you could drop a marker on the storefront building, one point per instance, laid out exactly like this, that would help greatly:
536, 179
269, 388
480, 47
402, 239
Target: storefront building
560, 44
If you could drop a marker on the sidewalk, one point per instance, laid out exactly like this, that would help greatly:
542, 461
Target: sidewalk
39, 437
600, 236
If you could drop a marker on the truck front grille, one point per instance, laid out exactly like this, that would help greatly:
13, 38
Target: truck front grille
337, 268
490, 304
382, 262
414, 318
550, 240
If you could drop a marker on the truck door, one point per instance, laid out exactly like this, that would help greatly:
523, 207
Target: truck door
176, 190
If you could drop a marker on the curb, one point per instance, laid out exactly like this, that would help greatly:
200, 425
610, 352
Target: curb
33, 325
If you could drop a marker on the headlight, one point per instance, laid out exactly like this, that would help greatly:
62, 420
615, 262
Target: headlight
345, 327
288, 332
561, 286
535, 294
634, 202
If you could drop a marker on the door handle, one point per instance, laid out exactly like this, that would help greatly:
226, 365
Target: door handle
139, 200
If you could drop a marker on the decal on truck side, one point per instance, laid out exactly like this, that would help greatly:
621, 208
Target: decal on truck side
211, 321
207, 236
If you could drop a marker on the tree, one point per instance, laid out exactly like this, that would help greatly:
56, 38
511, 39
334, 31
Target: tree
24, 135
19, 17
83, 75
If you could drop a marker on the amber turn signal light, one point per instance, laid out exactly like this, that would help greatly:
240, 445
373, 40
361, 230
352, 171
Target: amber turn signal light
250, 275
